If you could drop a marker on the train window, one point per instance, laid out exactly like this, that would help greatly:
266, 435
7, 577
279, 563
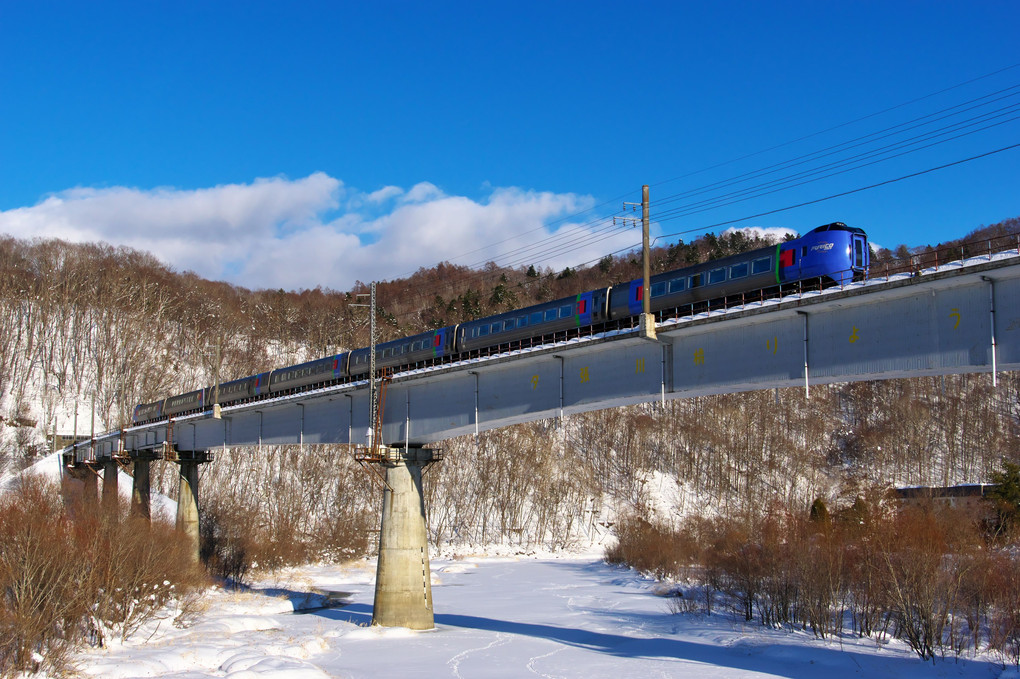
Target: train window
677, 285
550, 314
496, 327
763, 265
535, 318
738, 270
716, 276
696, 281
508, 324
483, 330
803, 251
566, 311
522, 321
659, 289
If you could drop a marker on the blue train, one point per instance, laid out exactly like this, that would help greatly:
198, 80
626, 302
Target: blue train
834, 253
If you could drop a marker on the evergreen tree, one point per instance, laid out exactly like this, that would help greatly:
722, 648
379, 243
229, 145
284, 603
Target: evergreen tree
1005, 497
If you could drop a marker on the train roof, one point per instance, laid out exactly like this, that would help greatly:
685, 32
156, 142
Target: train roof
836, 226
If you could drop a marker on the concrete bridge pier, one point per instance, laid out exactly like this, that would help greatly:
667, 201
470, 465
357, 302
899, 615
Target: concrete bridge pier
140, 487
187, 495
90, 477
403, 586
111, 501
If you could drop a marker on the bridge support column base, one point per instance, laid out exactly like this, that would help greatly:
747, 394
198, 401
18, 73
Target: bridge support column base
187, 497
646, 327
403, 586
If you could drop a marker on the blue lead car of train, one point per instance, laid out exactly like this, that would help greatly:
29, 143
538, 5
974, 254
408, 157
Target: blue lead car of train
830, 254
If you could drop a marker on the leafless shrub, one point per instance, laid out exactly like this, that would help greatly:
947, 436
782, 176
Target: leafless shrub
921, 573
1004, 610
137, 569
927, 554
67, 582
42, 607
646, 547
272, 507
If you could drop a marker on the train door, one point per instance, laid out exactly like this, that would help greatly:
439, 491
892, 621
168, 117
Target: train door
861, 256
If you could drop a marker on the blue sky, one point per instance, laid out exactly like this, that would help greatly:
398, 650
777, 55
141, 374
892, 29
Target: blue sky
295, 145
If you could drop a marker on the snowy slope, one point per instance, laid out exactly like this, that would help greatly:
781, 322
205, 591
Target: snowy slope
566, 617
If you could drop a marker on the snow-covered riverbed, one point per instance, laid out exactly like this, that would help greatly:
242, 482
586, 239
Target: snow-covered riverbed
495, 617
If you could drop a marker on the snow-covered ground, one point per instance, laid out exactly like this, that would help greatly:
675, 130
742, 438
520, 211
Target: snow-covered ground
495, 617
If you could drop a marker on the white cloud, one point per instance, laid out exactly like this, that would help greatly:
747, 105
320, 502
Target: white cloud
384, 194
314, 231
422, 192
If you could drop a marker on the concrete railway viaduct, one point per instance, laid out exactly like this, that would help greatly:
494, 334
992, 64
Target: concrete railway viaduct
957, 317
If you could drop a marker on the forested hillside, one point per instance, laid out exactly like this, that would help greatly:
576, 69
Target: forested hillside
92, 324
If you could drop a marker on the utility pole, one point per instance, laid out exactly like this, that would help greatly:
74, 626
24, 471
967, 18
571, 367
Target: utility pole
645, 254
373, 394
217, 413
372, 391
646, 322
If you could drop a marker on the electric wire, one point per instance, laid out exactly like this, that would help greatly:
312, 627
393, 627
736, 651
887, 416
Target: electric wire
535, 252
846, 193
602, 228
832, 149
823, 172
842, 125
899, 144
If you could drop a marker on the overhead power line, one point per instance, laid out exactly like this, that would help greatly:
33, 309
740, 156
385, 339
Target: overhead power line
833, 169
854, 154
847, 193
